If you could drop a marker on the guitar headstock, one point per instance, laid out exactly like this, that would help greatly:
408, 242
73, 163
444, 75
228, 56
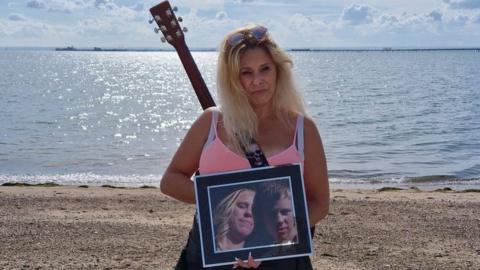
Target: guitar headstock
163, 14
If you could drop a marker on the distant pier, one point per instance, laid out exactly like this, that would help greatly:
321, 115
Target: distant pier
94, 49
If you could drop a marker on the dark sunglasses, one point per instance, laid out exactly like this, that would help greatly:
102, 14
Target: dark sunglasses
257, 32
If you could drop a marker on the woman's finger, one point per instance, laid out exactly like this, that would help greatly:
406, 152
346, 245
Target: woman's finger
251, 262
239, 262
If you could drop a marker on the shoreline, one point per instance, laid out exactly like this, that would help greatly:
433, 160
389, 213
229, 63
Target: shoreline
427, 187
107, 227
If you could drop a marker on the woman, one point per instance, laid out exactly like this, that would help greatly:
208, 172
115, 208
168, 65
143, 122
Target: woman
259, 101
233, 219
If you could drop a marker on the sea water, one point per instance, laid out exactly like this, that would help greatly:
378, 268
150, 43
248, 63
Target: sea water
385, 117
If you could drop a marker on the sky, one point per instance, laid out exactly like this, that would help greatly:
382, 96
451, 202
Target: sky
293, 24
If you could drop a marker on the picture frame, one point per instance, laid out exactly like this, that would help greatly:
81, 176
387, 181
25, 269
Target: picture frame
259, 211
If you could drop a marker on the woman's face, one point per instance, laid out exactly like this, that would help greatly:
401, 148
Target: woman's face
241, 221
258, 76
280, 221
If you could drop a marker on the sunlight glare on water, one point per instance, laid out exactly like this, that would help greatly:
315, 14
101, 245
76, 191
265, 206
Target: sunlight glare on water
383, 116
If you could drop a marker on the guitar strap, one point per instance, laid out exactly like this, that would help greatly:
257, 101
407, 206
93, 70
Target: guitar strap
255, 155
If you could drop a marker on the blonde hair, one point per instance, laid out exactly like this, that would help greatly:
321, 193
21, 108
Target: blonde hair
222, 214
239, 118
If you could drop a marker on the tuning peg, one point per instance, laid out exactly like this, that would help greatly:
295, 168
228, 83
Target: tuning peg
180, 19
151, 20
156, 29
185, 29
163, 39
157, 18
175, 9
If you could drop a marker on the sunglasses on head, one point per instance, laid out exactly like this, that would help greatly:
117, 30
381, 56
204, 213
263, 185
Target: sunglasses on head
257, 32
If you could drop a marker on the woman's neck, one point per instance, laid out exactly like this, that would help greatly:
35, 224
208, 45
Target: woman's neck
264, 112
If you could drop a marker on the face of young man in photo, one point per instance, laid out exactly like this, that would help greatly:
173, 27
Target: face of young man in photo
280, 221
241, 222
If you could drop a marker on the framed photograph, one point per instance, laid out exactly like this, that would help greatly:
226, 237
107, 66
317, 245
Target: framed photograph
262, 211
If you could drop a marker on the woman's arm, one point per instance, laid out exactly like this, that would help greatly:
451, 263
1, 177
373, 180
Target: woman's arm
315, 174
176, 180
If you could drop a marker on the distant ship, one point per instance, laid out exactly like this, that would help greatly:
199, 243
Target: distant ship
68, 48
300, 50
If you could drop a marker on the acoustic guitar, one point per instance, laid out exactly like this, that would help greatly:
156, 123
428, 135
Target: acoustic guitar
168, 25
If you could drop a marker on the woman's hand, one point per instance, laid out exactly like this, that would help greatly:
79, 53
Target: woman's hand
250, 263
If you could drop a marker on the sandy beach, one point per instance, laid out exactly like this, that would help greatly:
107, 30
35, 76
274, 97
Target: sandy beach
139, 228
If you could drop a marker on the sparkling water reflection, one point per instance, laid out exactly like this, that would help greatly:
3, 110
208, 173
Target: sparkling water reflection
113, 115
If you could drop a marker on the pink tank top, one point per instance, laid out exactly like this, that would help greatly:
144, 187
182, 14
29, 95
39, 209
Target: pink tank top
217, 157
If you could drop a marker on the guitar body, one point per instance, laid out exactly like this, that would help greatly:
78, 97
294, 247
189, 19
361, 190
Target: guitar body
168, 24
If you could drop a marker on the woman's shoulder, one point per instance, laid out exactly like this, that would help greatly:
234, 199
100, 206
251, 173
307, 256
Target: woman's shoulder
217, 111
211, 111
208, 113
309, 126
203, 122
309, 122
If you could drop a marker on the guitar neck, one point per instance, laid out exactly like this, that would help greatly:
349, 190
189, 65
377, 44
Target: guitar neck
195, 77
164, 16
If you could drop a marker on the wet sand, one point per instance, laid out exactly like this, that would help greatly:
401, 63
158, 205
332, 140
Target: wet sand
116, 228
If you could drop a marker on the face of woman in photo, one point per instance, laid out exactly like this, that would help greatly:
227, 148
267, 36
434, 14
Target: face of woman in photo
241, 221
280, 221
258, 76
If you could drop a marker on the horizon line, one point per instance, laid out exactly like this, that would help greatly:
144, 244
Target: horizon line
153, 49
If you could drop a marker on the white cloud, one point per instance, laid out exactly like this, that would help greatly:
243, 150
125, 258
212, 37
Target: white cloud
28, 32
36, 4
99, 3
67, 6
302, 23
200, 5
388, 20
292, 23
116, 27
436, 16
463, 4
460, 20
2, 27
105, 4
221, 15
305, 29
207, 32
358, 14
138, 7
17, 17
